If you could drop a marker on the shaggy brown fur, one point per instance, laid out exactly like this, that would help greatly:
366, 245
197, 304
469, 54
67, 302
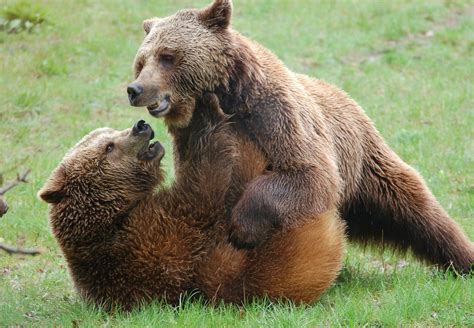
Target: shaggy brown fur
323, 149
125, 244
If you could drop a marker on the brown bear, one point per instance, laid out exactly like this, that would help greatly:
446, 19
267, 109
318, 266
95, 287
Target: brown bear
3, 207
126, 244
322, 149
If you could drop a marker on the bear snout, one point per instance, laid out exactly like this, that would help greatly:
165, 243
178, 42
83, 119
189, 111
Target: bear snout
141, 127
134, 90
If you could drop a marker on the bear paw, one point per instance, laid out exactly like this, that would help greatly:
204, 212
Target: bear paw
248, 232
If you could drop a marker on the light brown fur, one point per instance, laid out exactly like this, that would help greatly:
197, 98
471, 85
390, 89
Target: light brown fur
322, 149
126, 244
298, 265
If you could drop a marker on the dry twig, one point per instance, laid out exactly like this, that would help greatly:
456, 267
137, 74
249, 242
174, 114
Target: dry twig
11, 184
17, 250
20, 178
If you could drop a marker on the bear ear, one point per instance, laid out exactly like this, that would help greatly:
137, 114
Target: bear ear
217, 15
149, 23
53, 191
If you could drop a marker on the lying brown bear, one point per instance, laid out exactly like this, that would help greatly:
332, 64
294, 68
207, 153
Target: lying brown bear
323, 149
126, 244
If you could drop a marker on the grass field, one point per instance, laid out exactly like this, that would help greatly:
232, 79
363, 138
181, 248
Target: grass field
410, 64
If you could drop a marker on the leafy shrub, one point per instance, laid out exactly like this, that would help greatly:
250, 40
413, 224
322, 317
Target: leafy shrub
22, 16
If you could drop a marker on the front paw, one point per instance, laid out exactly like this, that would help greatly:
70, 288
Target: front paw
249, 231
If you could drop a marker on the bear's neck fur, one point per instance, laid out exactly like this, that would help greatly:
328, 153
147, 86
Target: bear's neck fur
76, 224
244, 72
82, 228
249, 74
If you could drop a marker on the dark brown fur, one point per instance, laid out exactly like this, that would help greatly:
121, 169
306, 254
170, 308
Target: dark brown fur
125, 244
3, 207
322, 148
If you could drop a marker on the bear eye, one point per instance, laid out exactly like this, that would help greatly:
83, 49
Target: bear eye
109, 147
166, 59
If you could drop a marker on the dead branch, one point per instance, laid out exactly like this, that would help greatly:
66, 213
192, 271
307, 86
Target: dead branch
24, 251
20, 178
11, 184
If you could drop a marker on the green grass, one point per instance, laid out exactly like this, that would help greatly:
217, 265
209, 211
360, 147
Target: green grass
410, 64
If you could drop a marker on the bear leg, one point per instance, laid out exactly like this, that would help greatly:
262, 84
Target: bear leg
280, 201
395, 206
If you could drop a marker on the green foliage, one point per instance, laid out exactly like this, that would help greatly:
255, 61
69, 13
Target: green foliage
410, 64
22, 16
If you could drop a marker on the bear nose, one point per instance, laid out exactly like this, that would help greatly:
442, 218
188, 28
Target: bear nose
134, 91
142, 127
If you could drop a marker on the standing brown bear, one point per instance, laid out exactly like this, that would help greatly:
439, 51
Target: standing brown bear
126, 244
322, 148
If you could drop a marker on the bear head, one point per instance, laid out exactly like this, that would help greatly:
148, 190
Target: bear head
181, 57
106, 173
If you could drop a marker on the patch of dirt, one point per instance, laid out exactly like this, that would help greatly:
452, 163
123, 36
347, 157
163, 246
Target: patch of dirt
7, 270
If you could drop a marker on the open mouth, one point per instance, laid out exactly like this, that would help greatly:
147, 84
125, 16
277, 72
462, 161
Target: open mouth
151, 150
160, 108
